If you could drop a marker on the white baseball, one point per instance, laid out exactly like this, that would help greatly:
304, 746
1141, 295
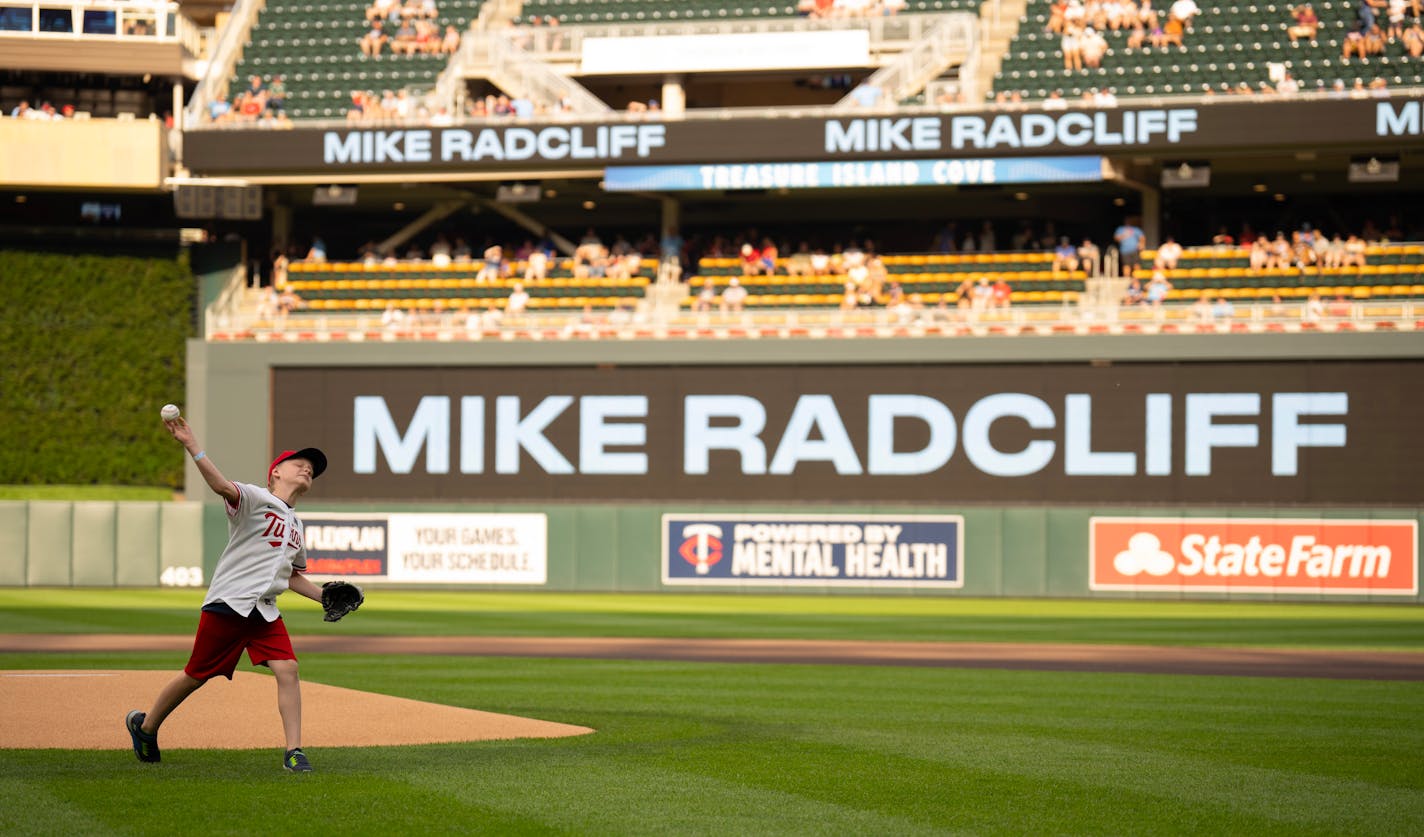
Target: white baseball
169, 412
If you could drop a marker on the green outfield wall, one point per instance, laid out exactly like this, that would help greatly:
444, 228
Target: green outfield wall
1017, 551
1278, 466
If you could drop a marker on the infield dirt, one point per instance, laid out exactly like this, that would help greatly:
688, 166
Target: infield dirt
84, 710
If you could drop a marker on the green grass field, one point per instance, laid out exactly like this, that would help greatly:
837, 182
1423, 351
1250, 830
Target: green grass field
686, 748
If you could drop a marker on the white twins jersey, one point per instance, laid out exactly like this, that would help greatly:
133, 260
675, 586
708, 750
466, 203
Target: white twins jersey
264, 547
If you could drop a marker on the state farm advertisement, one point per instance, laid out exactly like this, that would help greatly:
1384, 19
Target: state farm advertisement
1255, 555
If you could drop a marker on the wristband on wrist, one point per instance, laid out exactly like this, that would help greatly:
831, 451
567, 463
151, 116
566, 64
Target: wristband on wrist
199, 455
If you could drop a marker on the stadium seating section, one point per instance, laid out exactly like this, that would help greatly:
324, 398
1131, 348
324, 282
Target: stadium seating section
1392, 272
1228, 44
354, 287
635, 11
316, 46
933, 277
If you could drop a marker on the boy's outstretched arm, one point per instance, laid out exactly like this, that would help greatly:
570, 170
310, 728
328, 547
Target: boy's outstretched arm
220, 484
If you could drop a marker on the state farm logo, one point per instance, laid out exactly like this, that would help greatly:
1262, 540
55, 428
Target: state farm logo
1369, 557
1144, 555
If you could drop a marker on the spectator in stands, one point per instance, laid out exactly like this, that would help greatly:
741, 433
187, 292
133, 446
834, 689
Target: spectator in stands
1055, 101
451, 43
1168, 254
769, 254
1260, 257
1201, 309
1280, 252
1341, 307
799, 264
734, 297
1367, 12
517, 302
1065, 257
1306, 24
1222, 309
404, 42
1354, 252
1002, 293
460, 253
1129, 238
218, 108
1088, 257
1147, 15
380, 10
1223, 238
1092, 45
1184, 11
1158, 288
374, 40
277, 94
1056, 12
1137, 38
440, 252
536, 265
493, 266
393, 317
1172, 33
1287, 86
1314, 309
1071, 44
1413, 39
876, 276
707, 297
1352, 45
317, 251
1135, 295
750, 260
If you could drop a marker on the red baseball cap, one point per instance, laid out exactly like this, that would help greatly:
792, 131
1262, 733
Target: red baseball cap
312, 455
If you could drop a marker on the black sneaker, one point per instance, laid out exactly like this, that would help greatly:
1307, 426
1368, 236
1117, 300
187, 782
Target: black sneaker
296, 761
145, 744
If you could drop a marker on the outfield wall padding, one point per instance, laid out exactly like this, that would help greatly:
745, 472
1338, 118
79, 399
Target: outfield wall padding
1009, 551
56, 543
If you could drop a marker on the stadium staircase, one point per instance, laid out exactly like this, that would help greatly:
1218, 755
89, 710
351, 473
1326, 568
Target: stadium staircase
1228, 44
316, 46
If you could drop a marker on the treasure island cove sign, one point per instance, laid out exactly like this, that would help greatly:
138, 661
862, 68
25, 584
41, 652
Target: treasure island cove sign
1231, 126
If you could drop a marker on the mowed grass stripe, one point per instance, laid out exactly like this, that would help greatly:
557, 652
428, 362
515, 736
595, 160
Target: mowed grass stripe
420, 613
766, 749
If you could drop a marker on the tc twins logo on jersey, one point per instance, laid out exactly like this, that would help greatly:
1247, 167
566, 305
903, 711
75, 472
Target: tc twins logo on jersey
276, 531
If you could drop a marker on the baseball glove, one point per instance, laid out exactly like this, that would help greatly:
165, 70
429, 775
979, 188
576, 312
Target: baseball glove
339, 598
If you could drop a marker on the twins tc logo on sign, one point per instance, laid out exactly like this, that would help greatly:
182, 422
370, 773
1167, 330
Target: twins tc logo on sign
702, 547
834, 550
1280, 555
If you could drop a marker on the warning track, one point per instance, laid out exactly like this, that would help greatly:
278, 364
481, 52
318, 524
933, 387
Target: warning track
1133, 659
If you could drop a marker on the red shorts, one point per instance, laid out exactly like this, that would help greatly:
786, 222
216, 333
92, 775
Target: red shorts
223, 637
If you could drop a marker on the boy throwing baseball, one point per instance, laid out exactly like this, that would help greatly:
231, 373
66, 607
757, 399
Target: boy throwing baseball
264, 557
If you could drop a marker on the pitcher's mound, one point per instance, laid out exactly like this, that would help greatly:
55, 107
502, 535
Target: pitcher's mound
84, 710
